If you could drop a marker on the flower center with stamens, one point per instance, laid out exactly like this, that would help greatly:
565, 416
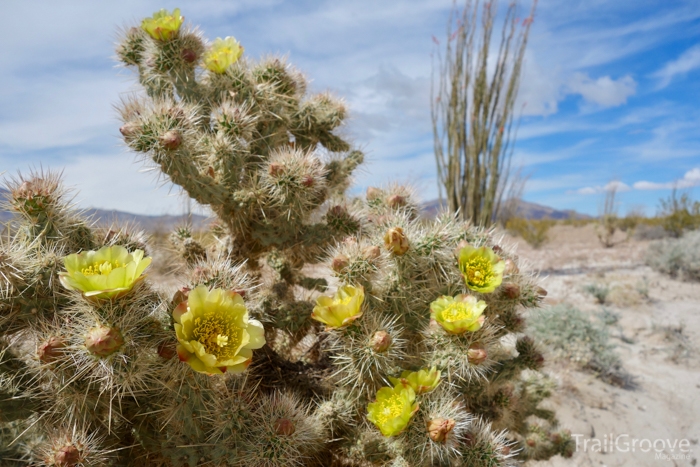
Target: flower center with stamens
391, 408
456, 312
479, 271
103, 268
218, 334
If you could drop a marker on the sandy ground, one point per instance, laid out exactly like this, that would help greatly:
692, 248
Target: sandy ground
657, 338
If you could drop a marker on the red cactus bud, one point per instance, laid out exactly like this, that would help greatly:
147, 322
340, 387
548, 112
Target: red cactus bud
511, 268
531, 442
540, 292
497, 249
103, 341
477, 354
308, 181
380, 341
510, 290
275, 169
166, 350
188, 55
373, 193
181, 295
171, 140
284, 427
67, 456
439, 429
396, 201
339, 263
371, 252
338, 211
50, 350
210, 172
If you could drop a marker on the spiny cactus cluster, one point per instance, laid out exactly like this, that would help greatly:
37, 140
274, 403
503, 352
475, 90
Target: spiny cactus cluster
313, 330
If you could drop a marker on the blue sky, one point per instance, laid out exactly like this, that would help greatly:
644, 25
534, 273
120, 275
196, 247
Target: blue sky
610, 92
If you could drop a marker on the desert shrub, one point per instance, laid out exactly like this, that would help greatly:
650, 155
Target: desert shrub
599, 291
572, 335
680, 347
650, 231
533, 231
679, 213
677, 257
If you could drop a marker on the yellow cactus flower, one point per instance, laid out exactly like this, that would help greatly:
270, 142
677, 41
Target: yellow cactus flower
393, 409
214, 332
106, 273
420, 381
222, 54
341, 309
163, 26
482, 268
459, 314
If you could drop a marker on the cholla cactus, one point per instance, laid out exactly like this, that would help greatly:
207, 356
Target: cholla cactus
414, 356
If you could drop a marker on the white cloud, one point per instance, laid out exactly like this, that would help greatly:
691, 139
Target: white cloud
615, 185
690, 179
688, 61
604, 91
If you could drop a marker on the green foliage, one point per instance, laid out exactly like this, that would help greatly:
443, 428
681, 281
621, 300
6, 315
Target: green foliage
533, 231
677, 257
573, 336
599, 291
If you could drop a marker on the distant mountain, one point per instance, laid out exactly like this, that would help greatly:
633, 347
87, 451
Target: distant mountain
163, 223
525, 209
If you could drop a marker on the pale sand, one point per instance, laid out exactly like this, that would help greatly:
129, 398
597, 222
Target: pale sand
665, 405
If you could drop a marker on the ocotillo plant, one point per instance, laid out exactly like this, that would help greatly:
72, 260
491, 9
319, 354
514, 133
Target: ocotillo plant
414, 355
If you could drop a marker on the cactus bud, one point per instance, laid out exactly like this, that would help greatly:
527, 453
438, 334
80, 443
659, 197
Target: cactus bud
67, 456
540, 292
511, 268
275, 169
171, 140
396, 241
338, 211
166, 350
439, 429
51, 349
308, 181
129, 129
380, 341
373, 193
477, 354
188, 55
339, 263
497, 249
180, 296
284, 427
103, 341
371, 252
531, 442
396, 201
510, 290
